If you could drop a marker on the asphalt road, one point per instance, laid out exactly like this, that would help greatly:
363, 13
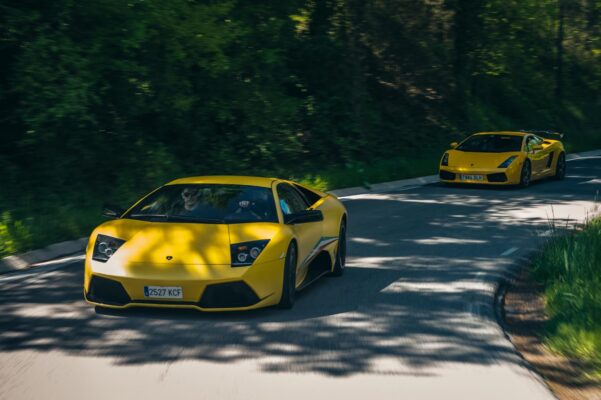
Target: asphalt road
411, 318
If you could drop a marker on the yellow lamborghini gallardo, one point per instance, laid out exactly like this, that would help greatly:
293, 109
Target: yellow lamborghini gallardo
504, 158
216, 243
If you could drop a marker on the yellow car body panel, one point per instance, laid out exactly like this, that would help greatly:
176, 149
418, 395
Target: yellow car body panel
227, 180
193, 256
469, 164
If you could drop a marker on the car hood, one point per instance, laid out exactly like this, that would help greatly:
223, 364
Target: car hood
181, 243
470, 160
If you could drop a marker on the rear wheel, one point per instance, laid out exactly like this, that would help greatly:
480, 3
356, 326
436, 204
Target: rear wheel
289, 284
341, 251
526, 174
560, 168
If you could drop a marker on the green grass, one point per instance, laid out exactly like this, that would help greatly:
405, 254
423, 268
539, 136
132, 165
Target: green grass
20, 232
570, 269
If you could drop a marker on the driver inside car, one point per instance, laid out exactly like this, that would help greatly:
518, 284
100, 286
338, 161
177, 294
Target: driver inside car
254, 206
189, 202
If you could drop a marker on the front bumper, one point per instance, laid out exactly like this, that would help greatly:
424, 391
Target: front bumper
205, 288
497, 176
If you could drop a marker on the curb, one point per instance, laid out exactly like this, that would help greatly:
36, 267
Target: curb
385, 186
499, 310
33, 257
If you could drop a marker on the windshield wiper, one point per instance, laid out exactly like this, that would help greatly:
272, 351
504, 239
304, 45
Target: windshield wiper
141, 215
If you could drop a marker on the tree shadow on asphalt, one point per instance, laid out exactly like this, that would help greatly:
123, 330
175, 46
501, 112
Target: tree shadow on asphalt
415, 296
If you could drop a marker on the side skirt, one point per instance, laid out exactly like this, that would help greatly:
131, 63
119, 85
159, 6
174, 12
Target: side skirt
320, 266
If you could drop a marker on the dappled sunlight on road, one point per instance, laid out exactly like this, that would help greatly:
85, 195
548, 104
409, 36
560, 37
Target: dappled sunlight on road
416, 299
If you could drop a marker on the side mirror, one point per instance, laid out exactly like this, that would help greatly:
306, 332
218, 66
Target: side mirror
454, 145
303, 217
537, 147
112, 211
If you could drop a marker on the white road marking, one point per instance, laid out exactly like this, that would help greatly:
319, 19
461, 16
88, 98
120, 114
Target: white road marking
444, 240
35, 274
61, 260
592, 181
583, 158
384, 191
509, 251
41, 268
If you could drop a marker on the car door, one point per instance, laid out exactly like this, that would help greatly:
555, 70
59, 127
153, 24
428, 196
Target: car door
538, 156
549, 154
308, 234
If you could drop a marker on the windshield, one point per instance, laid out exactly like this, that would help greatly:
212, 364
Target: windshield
492, 144
207, 204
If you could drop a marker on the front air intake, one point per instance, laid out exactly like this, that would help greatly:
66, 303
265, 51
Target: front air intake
500, 177
446, 175
228, 295
107, 291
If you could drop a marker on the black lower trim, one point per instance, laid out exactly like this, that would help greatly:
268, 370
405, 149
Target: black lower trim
446, 175
319, 267
174, 302
223, 295
228, 295
499, 177
107, 291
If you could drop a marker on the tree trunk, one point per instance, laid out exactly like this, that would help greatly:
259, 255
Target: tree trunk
559, 51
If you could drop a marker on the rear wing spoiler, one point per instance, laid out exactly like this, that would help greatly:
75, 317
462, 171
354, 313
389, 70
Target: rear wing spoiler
546, 134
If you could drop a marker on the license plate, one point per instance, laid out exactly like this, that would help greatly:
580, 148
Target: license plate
163, 292
472, 177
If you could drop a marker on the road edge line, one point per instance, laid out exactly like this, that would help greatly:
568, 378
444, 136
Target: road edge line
19, 262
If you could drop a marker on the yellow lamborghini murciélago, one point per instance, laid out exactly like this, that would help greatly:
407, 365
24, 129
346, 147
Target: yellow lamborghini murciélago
504, 158
216, 243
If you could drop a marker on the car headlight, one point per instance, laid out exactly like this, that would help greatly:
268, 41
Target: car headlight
445, 160
244, 254
507, 162
105, 247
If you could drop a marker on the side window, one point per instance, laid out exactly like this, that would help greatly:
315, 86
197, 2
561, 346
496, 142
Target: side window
311, 196
290, 200
532, 141
529, 143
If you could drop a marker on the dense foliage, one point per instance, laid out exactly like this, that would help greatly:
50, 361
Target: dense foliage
105, 99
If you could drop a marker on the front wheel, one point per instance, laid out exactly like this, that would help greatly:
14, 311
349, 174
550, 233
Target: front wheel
526, 174
340, 252
289, 284
560, 168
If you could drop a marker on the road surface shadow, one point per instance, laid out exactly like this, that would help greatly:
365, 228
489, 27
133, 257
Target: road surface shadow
416, 295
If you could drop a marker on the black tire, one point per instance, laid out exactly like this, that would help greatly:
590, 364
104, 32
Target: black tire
289, 283
560, 168
526, 174
340, 251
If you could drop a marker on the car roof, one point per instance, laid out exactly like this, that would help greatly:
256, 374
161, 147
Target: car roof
510, 133
226, 180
